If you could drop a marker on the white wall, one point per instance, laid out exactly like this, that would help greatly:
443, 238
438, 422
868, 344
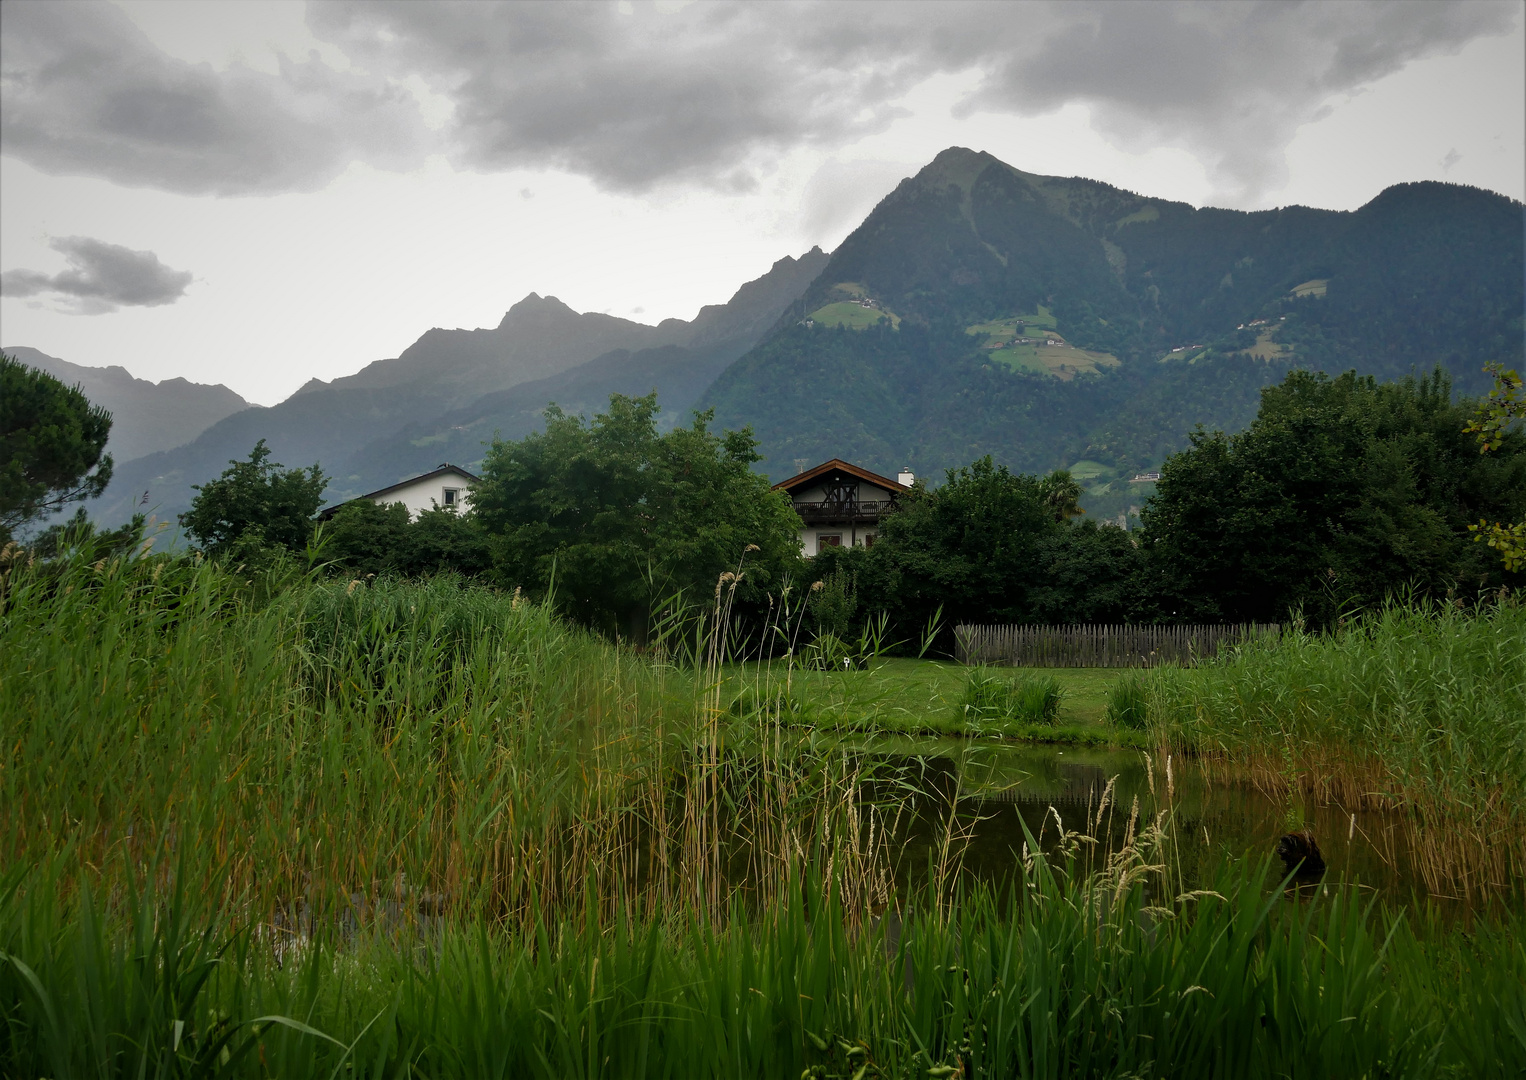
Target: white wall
863, 492
424, 495
810, 545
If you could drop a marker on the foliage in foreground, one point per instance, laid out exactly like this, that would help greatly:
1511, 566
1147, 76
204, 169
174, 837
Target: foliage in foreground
316, 742
434, 829
1071, 977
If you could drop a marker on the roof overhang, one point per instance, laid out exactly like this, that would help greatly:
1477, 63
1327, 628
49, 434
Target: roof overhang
445, 469
826, 469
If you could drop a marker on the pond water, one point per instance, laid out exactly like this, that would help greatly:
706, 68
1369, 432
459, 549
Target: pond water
996, 788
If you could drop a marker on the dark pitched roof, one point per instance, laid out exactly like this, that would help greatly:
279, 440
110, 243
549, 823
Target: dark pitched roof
445, 467
839, 465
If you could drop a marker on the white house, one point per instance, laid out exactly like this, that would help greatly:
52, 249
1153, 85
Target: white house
840, 504
448, 486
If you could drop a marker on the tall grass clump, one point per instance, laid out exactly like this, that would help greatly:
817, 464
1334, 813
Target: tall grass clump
1128, 704
990, 698
1414, 706
355, 752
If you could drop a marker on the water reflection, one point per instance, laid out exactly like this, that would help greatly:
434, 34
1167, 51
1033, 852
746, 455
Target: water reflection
995, 788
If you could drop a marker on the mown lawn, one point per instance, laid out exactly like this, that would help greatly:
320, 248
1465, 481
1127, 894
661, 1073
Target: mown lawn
923, 696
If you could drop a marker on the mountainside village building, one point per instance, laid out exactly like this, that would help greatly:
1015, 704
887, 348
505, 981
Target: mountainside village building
448, 486
840, 504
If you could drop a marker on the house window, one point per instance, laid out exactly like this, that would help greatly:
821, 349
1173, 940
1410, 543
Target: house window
868, 540
828, 540
452, 496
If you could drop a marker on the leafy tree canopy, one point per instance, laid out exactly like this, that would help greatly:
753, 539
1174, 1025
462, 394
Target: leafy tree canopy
626, 516
371, 538
256, 494
1340, 492
988, 546
1500, 413
52, 446
971, 545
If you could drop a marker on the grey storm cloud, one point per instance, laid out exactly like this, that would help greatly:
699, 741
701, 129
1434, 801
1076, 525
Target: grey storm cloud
101, 277
638, 98
84, 92
638, 95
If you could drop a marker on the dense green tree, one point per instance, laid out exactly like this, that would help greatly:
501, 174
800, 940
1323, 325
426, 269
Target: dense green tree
375, 538
987, 546
1091, 573
256, 496
1341, 491
972, 545
442, 539
366, 537
624, 516
52, 446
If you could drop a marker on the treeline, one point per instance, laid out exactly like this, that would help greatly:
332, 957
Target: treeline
1340, 493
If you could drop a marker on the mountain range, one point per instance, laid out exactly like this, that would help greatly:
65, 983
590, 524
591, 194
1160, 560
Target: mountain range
147, 417
1050, 322
1064, 322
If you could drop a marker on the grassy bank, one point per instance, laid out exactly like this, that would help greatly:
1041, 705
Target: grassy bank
1418, 708
926, 697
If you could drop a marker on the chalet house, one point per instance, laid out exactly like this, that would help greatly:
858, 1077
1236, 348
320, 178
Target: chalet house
840, 504
448, 486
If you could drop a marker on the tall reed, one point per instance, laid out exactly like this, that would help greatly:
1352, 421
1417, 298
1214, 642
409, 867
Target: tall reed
354, 750
1074, 975
1414, 706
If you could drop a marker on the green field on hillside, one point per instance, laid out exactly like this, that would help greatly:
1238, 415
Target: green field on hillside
1316, 287
1064, 362
852, 315
1267, 349
1087, 471
1033, 325
1023, 345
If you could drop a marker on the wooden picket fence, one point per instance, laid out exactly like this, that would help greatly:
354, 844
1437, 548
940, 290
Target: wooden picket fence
1099, 645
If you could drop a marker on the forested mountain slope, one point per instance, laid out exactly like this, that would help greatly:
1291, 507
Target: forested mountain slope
1047, 321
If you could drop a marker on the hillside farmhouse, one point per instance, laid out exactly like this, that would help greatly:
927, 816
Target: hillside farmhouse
448, 486
840, 504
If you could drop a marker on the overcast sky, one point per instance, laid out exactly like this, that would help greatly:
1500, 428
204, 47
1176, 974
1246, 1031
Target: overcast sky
257, 193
